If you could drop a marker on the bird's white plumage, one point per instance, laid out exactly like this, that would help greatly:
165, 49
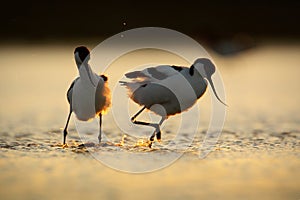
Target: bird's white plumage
89, 94
168, 90
166, 86
84, 102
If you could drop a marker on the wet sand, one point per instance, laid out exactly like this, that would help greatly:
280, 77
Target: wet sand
256, 157
251, 167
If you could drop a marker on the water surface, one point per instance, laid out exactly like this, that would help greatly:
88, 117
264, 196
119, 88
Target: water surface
257, 155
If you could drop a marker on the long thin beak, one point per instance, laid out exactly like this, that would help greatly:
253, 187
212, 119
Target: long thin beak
89, 75
214, 90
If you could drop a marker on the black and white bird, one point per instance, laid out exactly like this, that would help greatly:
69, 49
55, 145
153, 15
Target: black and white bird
168, 90
89, 94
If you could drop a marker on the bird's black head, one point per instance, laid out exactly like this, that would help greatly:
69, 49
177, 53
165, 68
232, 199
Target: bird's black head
82, 54
206, 69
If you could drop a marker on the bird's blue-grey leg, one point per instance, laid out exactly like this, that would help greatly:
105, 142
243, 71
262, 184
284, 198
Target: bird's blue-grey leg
66, 127
100, 127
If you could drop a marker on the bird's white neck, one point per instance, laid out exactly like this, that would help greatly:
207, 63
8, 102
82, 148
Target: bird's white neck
87, 75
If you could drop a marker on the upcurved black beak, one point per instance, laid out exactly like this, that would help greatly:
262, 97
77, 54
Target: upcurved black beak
214, 90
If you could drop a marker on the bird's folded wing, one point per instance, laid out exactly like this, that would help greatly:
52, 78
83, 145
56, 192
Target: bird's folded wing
152, 74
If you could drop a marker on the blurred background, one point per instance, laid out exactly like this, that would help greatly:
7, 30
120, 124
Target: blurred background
212, 21
256, 42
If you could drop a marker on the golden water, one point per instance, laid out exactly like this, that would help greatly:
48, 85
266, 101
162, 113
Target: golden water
257, 156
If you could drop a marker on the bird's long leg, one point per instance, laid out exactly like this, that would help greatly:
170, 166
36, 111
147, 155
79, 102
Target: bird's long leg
100, 127
156, 126
140, 122
137, 114
157, 130
66, 127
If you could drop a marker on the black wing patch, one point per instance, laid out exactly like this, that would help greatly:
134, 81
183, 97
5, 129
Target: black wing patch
70, 91
104, 78
177, 68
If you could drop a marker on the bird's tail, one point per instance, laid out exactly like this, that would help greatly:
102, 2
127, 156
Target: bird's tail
131, 87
